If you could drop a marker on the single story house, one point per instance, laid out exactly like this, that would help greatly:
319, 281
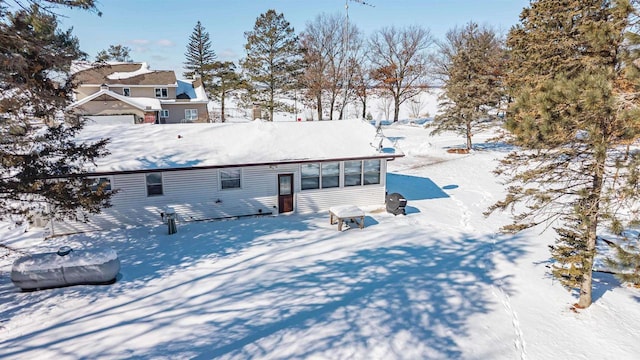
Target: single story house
222, 170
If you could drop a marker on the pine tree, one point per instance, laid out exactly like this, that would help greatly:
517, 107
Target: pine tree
575, 110
200, 56
117, 53
470, 63
224, 79
626, 263
41, 165
272, 64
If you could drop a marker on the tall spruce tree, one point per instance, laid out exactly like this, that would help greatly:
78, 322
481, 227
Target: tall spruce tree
575, 86
470, 63
200, 57
273, 61
41, 166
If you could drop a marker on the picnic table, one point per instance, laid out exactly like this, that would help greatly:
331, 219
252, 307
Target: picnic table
346, 212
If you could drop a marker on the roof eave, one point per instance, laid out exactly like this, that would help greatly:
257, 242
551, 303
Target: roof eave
388, 157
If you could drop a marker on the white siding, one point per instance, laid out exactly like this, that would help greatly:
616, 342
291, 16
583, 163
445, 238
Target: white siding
196, 195
319, 200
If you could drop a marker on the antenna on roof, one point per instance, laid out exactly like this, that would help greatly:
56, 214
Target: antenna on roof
345, 49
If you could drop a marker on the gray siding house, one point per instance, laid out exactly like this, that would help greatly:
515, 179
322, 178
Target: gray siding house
215, 171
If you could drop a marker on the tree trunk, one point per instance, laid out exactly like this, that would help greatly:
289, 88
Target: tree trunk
364, 109
222, 118
592, 211
332, 107
319, 105
396, 109
469, 144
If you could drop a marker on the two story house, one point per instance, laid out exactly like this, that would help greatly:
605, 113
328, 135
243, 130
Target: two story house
132, 93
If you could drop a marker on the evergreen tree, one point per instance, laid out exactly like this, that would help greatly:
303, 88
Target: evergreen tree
200, 56
117, 53
41, 165
470, 64
575, 88
272, 64
626, 263
225, 79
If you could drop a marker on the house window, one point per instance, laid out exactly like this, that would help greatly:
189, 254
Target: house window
162, 92
191, 114
353, 173
126, 91
154, 184
371, 172
330, 175
310, 176
164, 114
230, 179
102, 184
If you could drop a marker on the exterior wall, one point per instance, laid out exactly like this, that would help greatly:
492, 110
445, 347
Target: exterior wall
196, 195
84, 91
309, 201
136, 91
112, 107
176, 112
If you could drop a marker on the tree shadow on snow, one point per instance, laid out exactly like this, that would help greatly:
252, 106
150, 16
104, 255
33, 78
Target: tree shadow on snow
339, 294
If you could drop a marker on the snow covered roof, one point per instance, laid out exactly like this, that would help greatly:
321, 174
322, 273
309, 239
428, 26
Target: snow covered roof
193, 89
138, 73
144, 69
147, 147
142, 103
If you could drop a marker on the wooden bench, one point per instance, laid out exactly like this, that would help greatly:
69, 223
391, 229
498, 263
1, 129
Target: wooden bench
346, 212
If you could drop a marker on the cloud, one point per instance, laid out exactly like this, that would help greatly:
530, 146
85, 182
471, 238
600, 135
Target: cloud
165, 43
228, 54
140, 42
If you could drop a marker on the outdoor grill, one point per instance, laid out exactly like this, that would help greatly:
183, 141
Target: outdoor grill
396, 204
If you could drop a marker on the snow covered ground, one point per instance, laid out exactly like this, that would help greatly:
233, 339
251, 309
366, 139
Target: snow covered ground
438, 283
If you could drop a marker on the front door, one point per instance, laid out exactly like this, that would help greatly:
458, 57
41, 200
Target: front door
285, 193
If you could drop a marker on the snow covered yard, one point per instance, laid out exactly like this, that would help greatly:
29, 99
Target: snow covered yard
438, 283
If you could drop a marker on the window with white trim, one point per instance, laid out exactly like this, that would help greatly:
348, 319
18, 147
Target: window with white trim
164, 113
310, 176
191, 114
330, 175
230, 178
101, 184
371, 172
353, 173
162, 92
126, 91
154, 184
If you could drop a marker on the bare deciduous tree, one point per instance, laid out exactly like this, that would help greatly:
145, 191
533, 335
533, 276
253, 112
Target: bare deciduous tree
400, 63
327, 54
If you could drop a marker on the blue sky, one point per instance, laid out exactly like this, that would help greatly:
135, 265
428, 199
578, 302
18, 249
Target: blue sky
157, 31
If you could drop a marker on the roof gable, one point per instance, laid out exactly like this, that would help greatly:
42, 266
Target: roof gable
140, 103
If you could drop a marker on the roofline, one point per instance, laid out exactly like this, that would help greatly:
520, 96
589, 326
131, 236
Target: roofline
124, 99
128, 85
388, 157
